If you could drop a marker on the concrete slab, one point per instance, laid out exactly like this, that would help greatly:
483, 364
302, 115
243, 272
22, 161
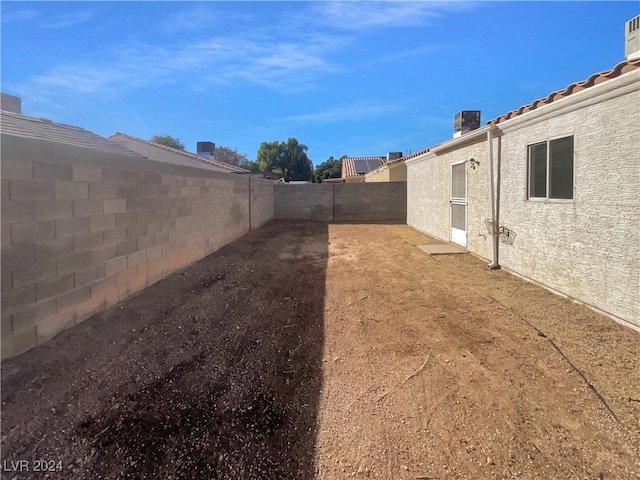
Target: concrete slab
442, 249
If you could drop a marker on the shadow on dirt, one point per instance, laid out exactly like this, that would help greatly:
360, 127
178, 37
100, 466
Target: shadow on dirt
212, 373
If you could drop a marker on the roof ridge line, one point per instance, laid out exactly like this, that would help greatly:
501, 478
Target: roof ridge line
214, 162
597, 78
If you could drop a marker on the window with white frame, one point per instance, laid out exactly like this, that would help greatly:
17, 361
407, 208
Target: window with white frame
551, 169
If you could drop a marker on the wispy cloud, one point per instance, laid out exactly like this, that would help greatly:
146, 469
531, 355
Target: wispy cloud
54, 21
199, 17
272, 64
403, 54
291, 66
351, 112
70, 19
279, 56
18, 15
358, 16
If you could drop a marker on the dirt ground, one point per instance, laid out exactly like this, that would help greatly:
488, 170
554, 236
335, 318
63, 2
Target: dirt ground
314, 351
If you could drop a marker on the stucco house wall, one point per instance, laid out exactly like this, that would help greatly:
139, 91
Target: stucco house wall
429, 191
378, 175
398, 172
428, 196
393, 172
588, 247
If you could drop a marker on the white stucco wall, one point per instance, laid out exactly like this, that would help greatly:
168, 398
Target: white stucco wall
396, 172
380, 174
588, 247
427, 196
429, 190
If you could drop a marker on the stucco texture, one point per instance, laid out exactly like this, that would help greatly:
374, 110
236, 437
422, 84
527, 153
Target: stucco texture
429, 192
585, 247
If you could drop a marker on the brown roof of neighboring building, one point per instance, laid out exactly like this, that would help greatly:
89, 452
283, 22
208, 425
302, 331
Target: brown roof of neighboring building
621, 68
19, 125
355, 166
222, 165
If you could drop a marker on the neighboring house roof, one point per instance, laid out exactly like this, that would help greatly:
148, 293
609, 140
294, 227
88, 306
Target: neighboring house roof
415, 154
595, 79
18, 125
400, 160
354, 166
187, 157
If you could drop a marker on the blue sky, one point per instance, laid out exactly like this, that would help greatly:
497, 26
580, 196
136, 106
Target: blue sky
354, 78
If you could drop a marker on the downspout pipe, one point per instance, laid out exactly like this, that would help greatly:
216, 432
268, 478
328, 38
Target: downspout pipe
494, 265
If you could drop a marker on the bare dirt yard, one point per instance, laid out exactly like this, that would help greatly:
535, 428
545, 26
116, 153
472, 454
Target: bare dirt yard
315, 351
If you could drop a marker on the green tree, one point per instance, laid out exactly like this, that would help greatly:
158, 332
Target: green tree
294, 160
287, 158
167, 141
268, 156
232, 157
251, 165
331, 168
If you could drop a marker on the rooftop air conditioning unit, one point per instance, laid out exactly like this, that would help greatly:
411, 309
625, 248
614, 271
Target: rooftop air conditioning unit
466, 120
206, 149
391, 156
632, 38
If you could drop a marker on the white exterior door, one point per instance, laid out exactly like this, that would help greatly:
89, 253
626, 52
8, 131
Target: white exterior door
458, 203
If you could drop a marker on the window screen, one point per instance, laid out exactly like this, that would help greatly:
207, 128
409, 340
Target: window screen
458, 186
551, 169
538, 170
561, 168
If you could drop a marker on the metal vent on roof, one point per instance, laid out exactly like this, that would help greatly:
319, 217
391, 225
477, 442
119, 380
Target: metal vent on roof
466, 120
207, 149
632, 38
391, 156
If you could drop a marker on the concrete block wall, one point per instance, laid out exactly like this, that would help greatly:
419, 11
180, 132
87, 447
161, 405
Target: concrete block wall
370, 202
83, 229
262, 202
342, 202
311, 201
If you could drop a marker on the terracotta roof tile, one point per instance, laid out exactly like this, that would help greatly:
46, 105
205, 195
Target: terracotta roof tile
595, 79
414, 154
